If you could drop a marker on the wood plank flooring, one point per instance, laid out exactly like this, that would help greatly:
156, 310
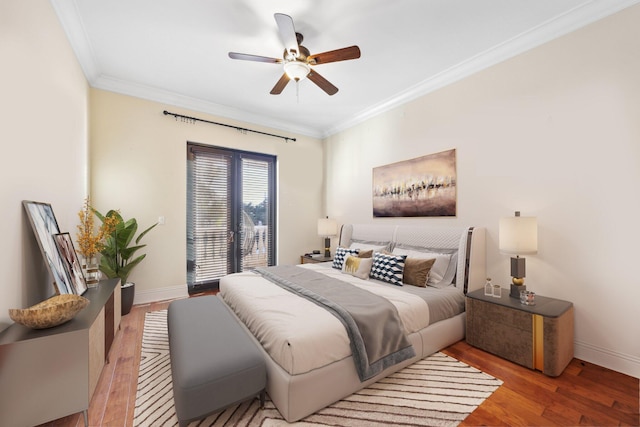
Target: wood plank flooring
585, 394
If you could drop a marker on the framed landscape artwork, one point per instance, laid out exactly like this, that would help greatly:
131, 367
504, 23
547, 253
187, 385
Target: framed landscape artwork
70, 261
44, 225
424, 186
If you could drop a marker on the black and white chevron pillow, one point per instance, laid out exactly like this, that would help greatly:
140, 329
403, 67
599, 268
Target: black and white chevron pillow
340, 255
388, 268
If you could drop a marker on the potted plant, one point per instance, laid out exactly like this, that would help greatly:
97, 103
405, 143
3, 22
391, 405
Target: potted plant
117, 258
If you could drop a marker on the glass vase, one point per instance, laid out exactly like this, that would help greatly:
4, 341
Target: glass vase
91, 271
488, 287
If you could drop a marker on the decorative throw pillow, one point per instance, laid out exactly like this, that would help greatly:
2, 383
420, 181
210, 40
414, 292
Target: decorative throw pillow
388, 268
443, 270
356, 266
416, 271
365, 254
340, 255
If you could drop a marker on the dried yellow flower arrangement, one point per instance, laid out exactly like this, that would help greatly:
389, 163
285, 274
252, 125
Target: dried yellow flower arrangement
90, 242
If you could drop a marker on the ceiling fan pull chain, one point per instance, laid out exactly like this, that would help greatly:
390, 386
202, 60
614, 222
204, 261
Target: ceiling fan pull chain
298, 91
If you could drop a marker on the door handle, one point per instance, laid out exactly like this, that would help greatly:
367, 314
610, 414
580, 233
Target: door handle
230, 237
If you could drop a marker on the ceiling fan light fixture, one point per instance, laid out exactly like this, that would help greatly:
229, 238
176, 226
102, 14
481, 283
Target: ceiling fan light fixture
297, 70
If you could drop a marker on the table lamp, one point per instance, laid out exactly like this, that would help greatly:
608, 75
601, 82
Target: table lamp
327, 228
518, 235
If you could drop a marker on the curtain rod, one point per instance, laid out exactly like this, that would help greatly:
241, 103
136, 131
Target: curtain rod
243, 130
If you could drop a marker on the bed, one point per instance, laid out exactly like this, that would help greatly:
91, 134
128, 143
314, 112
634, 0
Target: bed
309, 354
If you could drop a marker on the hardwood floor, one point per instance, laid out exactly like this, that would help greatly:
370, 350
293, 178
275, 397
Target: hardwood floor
585, 394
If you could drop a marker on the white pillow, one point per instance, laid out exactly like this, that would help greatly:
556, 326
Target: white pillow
369, 246
356, 266
444, 269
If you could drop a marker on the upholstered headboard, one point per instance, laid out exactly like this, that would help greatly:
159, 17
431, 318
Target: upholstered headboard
466, 244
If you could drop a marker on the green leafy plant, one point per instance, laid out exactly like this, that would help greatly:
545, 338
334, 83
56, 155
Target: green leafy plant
117, 256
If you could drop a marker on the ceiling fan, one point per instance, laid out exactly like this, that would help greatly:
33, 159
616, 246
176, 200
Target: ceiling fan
297, 60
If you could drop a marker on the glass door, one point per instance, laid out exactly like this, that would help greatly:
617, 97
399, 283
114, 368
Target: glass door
230, 213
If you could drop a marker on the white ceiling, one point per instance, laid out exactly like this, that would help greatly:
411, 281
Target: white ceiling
176, 52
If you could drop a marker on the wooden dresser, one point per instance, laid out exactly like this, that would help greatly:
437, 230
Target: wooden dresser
46, 374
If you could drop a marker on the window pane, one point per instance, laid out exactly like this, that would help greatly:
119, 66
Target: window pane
255, 213
210, 216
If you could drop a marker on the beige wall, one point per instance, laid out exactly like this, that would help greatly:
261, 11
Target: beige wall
43, 142
554, 133
138, 165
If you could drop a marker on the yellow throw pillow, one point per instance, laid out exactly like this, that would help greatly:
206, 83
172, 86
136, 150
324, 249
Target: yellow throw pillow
357, 267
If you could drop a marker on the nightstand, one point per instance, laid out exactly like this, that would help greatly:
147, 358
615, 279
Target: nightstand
306, 259
536, 336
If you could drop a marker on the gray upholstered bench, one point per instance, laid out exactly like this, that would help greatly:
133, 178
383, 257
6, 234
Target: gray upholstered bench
214, 362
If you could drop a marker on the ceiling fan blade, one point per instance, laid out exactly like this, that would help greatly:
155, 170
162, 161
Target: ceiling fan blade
279, 87
322, 83
287, 32
346, 53
247, 57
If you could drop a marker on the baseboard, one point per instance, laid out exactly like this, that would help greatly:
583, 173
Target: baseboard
161, 294
620, 362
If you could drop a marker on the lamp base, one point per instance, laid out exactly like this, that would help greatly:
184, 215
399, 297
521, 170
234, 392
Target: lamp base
327, 249
515, 290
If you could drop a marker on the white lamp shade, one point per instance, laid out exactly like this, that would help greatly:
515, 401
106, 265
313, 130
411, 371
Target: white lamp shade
296, 70
327, 227
518, 235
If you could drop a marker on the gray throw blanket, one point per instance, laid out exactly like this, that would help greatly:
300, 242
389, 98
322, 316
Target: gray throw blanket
372, 323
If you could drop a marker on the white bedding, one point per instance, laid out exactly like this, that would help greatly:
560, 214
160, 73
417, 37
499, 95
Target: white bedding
299, 335
298, 395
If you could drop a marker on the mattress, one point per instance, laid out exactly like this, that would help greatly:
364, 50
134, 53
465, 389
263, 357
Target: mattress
302, 337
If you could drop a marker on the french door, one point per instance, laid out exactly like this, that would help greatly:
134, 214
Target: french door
230, 213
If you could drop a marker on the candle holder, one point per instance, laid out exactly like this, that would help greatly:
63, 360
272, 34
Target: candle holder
527, 298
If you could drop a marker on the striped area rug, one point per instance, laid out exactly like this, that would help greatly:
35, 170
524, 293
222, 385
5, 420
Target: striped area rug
436, 391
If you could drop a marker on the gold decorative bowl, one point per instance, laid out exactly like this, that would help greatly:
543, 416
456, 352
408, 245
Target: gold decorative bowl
49, 313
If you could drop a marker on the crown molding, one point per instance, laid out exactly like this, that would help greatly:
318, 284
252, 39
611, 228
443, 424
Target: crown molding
69, 17
112, 84
570, 21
